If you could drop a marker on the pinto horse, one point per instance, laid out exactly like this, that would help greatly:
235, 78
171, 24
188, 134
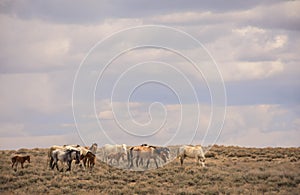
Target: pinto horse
65, 156
19, 159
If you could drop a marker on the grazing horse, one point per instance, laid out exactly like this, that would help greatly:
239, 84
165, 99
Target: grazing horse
114, 149
143, 152
65, 156
191, 152
19, 159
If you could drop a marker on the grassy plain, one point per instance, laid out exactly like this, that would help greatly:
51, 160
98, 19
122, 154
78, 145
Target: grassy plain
229, 170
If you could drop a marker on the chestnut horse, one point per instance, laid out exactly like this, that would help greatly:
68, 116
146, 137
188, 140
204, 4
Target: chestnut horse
19, 159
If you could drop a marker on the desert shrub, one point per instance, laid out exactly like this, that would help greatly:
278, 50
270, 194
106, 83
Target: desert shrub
210, 154
293, 159
239, 174
286, 182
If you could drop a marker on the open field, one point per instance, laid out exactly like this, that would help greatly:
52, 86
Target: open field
229, 170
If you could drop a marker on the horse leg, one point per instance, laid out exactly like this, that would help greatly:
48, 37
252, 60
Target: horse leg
203, 164
105, 158
181, 160
12, 166
202, 160
91, 164
137, 161
118, 160
69, 165
84, 161
57, 166
142, 162
148, 162
128, 159
87, 163
22, 165
197, 160
51, 162
131, 162
56, 163
155, 162
52, 166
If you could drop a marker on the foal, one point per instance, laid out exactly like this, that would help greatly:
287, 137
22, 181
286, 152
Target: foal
19, 159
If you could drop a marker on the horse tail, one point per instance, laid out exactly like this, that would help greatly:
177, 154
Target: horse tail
49, 157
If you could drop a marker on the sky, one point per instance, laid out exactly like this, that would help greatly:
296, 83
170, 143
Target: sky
242, 89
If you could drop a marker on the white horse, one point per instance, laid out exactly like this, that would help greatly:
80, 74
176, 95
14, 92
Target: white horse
111, 150
195, 152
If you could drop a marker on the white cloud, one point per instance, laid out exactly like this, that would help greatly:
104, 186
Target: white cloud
68, 125
50, 46
254, 137
238, 71
260, 126
183, 17
106, 115
250, 43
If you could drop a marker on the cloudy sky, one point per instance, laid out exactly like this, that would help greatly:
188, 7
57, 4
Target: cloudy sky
149, 94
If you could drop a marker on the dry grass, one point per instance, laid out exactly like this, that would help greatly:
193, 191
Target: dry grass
230, 170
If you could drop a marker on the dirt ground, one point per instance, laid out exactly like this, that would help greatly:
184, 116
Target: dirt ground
229, 170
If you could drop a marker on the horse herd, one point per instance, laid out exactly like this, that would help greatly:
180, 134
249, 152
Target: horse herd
134, 156
68, 153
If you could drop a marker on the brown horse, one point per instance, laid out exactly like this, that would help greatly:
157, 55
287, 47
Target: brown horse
89, 160
19, 159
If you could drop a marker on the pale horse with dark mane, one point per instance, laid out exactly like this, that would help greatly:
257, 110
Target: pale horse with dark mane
145, 152
163, 153
190, 151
